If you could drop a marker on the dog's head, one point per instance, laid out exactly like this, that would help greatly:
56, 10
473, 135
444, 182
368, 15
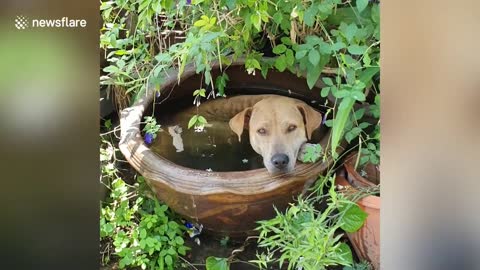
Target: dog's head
278, 127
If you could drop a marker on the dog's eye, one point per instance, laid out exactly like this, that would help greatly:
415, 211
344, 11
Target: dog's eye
291, 128
262, 131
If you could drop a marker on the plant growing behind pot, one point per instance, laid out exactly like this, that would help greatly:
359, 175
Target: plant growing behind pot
364, 176
303, 237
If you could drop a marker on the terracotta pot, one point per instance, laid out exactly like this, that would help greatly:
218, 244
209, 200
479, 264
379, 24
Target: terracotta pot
365, 241
227, 203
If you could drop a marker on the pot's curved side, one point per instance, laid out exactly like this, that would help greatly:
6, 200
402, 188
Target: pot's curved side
228, 213
366, 241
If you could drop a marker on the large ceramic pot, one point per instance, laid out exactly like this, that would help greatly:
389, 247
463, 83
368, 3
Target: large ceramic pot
365, 241
227, 203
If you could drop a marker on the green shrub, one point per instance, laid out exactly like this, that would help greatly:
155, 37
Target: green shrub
306, 238
141, 231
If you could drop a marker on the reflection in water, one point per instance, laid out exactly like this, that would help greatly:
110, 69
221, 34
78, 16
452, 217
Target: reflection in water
216, 148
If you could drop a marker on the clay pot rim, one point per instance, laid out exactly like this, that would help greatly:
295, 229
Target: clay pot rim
370, 201
198, 182
349, 164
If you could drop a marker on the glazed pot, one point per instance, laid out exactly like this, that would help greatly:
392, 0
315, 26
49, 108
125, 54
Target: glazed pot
366, 241
227, 203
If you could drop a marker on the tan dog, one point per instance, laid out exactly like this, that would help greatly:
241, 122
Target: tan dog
278, 127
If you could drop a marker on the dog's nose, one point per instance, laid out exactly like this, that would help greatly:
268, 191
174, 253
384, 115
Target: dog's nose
280, 161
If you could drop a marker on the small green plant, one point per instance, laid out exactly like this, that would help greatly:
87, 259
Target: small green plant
312, 153
306, 238
141, 231
151, 129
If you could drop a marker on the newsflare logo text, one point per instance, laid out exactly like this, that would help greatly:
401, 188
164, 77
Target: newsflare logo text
22, 22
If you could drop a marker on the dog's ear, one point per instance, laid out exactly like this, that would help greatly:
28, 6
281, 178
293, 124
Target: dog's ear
240, 122
311, 118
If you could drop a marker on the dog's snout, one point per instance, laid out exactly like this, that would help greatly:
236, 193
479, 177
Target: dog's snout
280, 161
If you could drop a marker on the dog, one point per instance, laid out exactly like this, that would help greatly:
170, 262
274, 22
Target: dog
278, 127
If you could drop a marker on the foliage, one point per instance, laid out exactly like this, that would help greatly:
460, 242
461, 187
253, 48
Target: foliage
144, 232
312, 153
135, 229
151, 129
307, 238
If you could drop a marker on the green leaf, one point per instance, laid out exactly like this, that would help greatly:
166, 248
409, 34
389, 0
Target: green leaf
281, 63
312, 76
350, 31
179, 240
221, 83
309, 15
108, 124
214, 263
201, 22
231, 4
361, 5
325, 48
357, 49
357, 95
340, 120
192, 121
182, 250
111, 69
168, 260
279, 49
345, 253
325, 91
338, 46
277, 17
375, 13
367, 74
366, 60
257, 21
328, 81
286, 41
290, 59
314, 72
314, 57
202, 121
341, 93
300, 54
353, 217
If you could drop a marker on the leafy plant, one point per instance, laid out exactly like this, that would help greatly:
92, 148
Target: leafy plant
312, 153
142, 232
306, 238
151, 129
